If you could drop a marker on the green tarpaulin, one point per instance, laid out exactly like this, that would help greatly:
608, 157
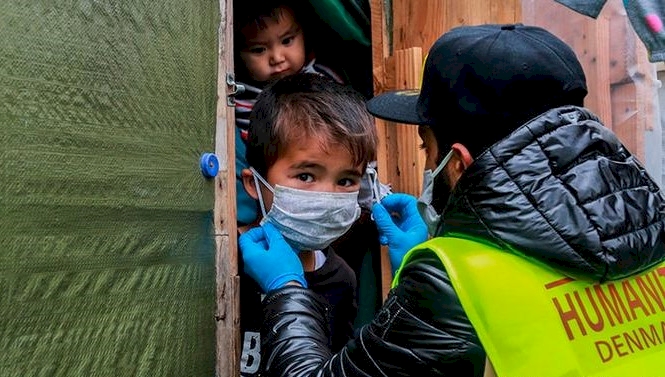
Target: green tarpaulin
106, 245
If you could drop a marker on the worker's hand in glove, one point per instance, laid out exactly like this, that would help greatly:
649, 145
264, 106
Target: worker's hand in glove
268, 258
400, 225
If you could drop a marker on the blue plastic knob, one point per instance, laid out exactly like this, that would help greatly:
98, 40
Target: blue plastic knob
209, 165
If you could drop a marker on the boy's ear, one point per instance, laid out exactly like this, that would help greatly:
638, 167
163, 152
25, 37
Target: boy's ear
248, 183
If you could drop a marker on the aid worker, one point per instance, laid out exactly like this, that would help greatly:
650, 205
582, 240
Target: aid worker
548, 252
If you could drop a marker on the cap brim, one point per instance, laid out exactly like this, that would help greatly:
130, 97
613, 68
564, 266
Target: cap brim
397, 106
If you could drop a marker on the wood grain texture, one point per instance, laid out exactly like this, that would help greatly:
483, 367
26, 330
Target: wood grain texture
227, 315
409, 161
620, 80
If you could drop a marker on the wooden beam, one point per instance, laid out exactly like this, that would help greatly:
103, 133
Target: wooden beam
505, 11
380, 49
420, 23
598, 72
405, 162
227, 313
626, 117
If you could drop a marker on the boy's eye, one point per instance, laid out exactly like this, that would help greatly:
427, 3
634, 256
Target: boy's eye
305, 177
348, 182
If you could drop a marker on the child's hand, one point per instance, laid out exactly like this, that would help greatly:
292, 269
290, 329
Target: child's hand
401, 232
268, 259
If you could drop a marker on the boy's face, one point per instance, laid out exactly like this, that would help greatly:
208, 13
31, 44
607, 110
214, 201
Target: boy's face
305, 166
275, 51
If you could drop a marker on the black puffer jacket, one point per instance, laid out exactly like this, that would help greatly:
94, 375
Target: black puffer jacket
561, 189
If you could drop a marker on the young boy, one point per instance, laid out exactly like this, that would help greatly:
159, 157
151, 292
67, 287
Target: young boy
310, 140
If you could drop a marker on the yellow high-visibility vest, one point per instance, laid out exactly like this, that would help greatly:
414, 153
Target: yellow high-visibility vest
533, 321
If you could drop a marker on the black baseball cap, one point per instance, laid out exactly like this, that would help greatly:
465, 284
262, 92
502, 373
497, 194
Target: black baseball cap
485, 81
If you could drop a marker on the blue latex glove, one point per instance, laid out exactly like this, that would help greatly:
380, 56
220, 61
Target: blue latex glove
400, 232
268, 259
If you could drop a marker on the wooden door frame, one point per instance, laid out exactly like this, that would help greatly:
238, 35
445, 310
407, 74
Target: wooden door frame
227, 314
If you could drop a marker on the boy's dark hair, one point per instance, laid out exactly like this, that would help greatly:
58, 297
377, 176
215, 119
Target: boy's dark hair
305, 105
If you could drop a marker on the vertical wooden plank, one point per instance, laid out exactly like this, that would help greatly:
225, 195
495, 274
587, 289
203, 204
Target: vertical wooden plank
226, 261
622, 46
625, 117
634, 102
505, 11
477, 13
599, 71
405, 160
409, 161
380, 50
419, 23
380, 44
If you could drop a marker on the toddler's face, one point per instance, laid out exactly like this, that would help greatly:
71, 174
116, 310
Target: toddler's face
276, 51
307, 166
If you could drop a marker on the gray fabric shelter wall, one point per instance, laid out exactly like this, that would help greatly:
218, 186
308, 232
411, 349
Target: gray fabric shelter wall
106, 244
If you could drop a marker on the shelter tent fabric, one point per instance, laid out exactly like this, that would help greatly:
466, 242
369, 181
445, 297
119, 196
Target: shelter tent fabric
106, 244
342, 40
349, 18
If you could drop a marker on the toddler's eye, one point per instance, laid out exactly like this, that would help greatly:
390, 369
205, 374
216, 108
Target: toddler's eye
288, 40
257, 50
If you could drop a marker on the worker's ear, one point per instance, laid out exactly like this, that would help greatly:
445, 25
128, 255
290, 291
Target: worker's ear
461, 158
248, 183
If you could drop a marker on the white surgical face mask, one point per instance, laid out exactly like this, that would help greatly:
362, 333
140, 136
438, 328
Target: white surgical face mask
308, 220
425, 208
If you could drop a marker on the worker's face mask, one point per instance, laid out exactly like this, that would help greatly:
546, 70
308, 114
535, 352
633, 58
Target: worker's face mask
425, 208
308, 220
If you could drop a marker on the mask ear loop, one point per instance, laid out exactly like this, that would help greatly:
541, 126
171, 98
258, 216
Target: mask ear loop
373, 185
372, 178
257, 179
443, 164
